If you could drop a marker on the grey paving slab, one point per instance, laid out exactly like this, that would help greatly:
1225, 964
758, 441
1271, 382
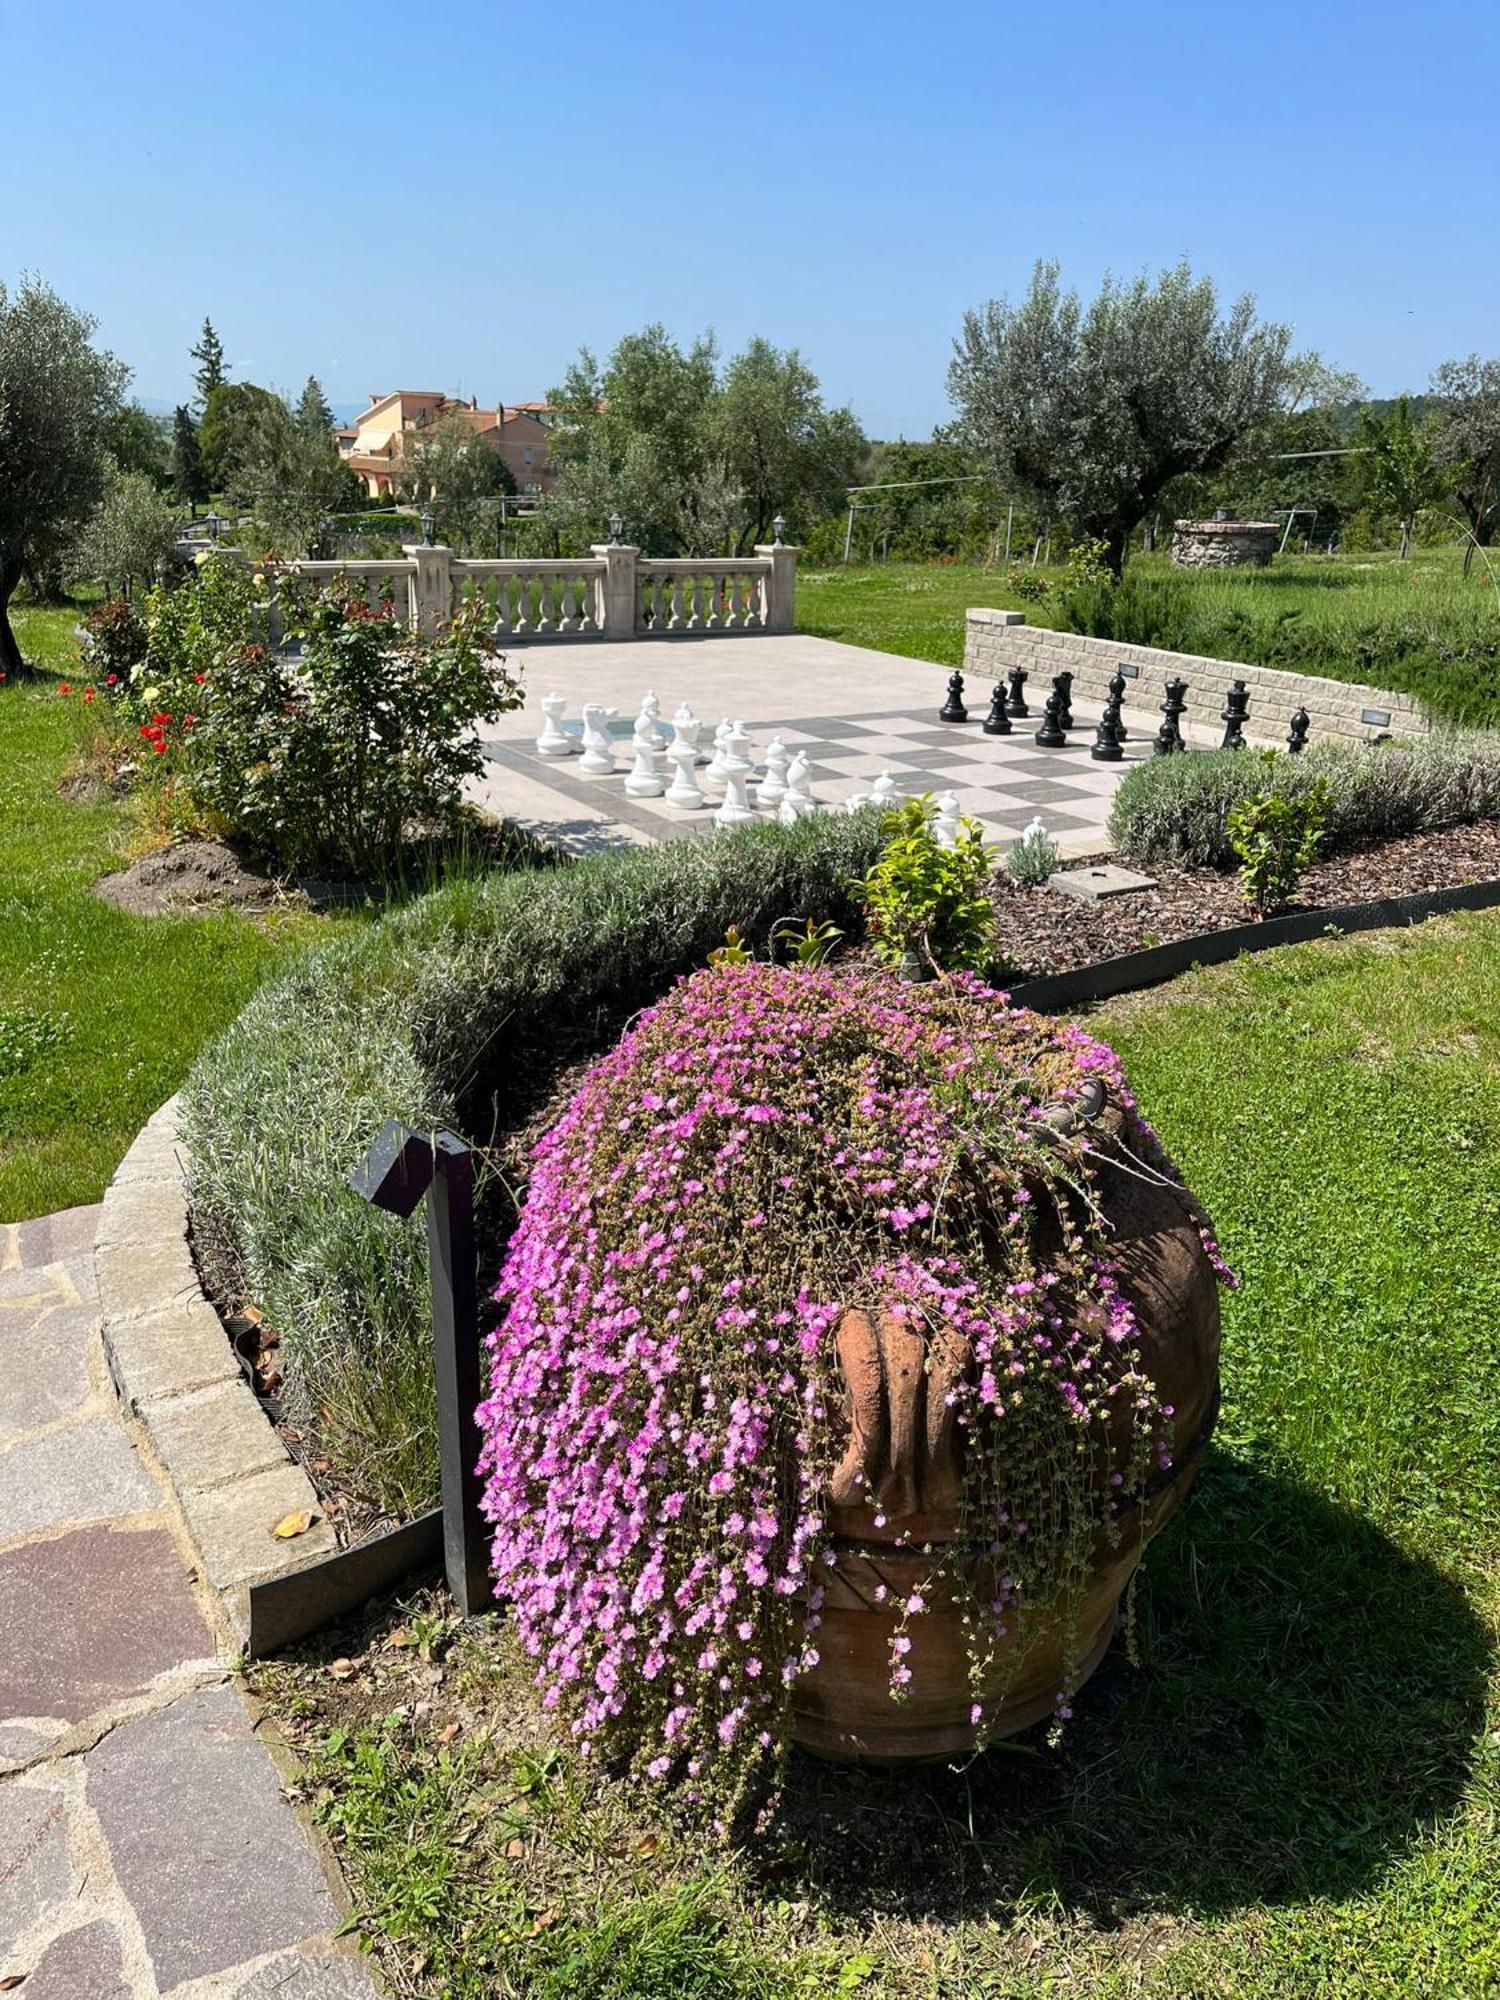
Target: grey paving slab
216, 1868
84, 1472
320, 1976
36, 1871
91, 1618
53, 1238
232, 1525
43, 1366
213, 1435
85, 1964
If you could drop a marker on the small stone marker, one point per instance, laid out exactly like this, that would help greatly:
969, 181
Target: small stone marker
1097, 881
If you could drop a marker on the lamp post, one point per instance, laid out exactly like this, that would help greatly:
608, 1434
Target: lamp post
616, 530
429, 522
778, 530
213, 525
399, 1169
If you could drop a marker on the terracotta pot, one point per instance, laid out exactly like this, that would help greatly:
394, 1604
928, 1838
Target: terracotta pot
903, 1462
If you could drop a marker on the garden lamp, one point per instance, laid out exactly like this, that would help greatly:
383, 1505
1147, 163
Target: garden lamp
429, 522
616, 529
213, 525
401, 1167
778, 528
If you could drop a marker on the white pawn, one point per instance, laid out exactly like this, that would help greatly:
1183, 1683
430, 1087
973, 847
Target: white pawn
945, 825
883, 792
856, 803
1034, 833
773, 784
736, 809
554, 740
598, 747
799, 787
685, 723
684, 789
787, 813
716, 762
648, 727
644, 781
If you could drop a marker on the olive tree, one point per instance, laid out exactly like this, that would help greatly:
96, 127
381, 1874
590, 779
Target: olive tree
1093, 410
1467, 444
289, 475
129, 536
57, 392
450, 467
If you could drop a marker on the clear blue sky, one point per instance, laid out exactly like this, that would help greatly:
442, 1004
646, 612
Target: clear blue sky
456, 197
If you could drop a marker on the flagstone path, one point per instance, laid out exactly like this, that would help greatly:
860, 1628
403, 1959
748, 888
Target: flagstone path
147, 1850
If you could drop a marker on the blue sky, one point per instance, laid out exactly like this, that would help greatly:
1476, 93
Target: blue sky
458, 197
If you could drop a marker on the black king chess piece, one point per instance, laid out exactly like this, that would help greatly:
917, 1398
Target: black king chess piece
1169, 736
1050, 736
997, 722
953, 709
1296, 741
1064, 686
1106, 748
1234, 715
1016, 702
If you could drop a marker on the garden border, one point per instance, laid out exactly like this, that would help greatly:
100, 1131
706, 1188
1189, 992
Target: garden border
174, 1369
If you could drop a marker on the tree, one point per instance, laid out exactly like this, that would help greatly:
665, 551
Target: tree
1467, 444
189, 482
789, 455
139, 442
291, 478
449, 464
230, 418
1093, 411
211, 372
313, 415
1400, 473
57, 392
130, 534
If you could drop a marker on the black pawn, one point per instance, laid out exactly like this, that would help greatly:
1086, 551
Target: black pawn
1169, 736
1050, 736
1064, 687
1296, 740
1117, 698
997, 722
1016, 704
1106, 748
953, 709
1234, 715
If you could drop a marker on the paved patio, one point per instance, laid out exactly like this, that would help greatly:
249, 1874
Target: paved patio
147, 1850
852, 711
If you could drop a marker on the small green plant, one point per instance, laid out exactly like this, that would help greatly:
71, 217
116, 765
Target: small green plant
1034, 858
1275, 836
1030, 585
1088, 562
927, 905
814, 945
733, 951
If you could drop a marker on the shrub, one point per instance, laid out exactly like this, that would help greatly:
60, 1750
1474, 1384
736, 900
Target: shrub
113, 643
1275, 835
1176, 809
1034, 858
927, 903
459, 1010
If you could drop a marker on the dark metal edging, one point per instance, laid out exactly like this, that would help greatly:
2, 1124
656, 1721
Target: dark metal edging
297, 1602
1055, 992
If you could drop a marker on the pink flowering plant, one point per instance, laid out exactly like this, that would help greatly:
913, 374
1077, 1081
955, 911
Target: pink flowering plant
766, 1148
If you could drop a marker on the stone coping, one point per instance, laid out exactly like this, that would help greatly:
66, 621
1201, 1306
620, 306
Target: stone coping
174, 1370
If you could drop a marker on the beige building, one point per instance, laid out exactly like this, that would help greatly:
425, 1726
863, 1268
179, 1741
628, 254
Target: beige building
371, 446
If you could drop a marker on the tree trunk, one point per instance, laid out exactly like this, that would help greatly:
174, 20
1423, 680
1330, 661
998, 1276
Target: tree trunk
11, 663
1116, 540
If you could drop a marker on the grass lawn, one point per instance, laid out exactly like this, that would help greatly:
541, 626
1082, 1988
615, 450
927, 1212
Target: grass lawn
1298, 1792
1420, 626
100, 1012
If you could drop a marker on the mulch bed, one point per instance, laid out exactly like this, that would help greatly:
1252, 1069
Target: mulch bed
1042, 931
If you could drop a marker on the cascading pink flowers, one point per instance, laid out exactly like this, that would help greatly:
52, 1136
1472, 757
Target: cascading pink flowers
763, 1149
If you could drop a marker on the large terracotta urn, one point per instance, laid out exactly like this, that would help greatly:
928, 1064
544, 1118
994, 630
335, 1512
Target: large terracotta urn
895, 1495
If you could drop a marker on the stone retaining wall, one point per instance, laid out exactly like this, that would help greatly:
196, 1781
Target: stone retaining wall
996, 641
1224, 544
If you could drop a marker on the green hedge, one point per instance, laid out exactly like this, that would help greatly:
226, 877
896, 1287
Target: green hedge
458, 1010
1174, 809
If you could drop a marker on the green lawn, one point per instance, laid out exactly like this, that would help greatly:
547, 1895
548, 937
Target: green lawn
1420, 626
1298, 1792
100, 1013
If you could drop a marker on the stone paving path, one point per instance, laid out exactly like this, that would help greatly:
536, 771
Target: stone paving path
146, 1847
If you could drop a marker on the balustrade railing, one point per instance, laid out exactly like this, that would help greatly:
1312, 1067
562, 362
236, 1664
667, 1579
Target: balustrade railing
689, 594
535, 599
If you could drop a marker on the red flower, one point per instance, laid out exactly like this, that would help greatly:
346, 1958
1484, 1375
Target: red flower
110, 679
159, 747
200, 678
188, 721
65, 687
88, 694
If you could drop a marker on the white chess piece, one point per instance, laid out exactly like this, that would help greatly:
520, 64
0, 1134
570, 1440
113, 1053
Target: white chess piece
946, 821
787, 813
884, 792
856, 803
716, 762
554, 740
736, 809
648, 727
644, 780
684, 789
685, 723
799, 787
598, 746
1036, 831
773, 784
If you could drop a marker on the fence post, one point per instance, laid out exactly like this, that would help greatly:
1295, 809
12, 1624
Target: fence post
617, 588
780, 586
431, 586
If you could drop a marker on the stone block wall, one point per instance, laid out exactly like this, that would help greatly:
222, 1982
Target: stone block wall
996, 641
1224, 544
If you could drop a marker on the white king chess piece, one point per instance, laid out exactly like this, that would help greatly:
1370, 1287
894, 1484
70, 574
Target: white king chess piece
773, 784
946, 821
684, 789
598, 746
736, 809
799, 788
554, 740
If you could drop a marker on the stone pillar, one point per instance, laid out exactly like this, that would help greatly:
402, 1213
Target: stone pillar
617, 588
781, 586
431, 602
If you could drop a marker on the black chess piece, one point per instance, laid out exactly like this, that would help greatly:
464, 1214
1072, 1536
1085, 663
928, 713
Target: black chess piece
997, 722
1050, 736
1064, 686
1169, 736
1117, 696
1234, 715
953, 709
1296, 741
1016, 703
1106, 749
